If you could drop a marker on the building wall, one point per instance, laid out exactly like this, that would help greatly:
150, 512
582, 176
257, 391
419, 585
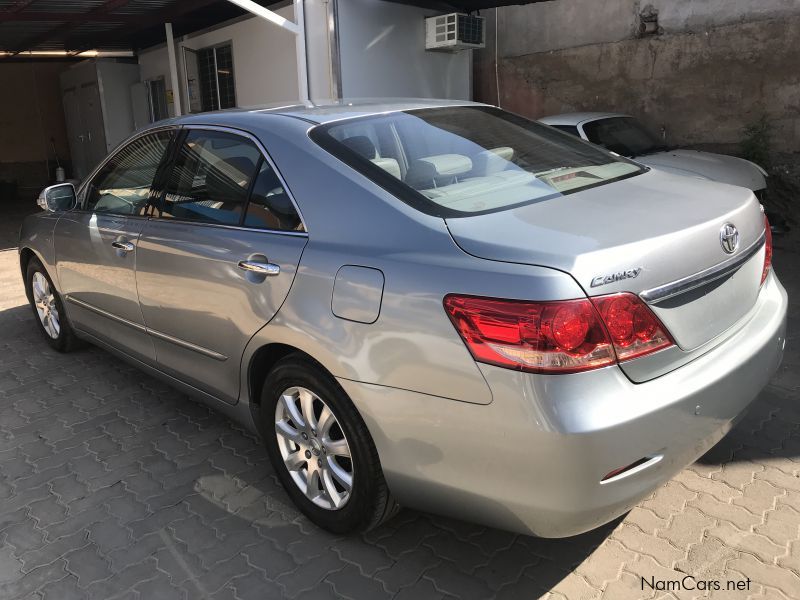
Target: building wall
715, 66
383, 54
30, 115
264, 61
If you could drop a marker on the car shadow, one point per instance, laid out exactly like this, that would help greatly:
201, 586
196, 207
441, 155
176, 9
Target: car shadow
225, 489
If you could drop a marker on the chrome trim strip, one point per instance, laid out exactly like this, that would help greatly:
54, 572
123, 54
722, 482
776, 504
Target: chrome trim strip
686, 284
107, 314
234, 227
187, 345
153, 332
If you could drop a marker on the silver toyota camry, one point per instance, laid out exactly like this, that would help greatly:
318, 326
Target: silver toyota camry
429, 304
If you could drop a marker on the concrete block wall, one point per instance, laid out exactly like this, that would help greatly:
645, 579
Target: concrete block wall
714, 66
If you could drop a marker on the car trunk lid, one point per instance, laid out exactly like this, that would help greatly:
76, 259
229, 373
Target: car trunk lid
640, 235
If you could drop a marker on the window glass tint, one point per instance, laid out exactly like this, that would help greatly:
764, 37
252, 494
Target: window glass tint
123, 185
465, 160
571, 129
623, 135
270, 206
211, 178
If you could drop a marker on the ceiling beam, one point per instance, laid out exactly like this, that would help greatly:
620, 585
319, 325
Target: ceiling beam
158, 18
105, 8
72, 17
10, 13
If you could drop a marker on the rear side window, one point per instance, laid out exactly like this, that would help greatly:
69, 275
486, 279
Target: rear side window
460, 161
123, 184
211, 178
270, 206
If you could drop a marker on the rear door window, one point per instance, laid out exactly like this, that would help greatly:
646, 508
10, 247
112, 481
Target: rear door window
211, 178
270, 206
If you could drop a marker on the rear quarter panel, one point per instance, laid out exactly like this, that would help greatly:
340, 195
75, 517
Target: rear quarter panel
351, 221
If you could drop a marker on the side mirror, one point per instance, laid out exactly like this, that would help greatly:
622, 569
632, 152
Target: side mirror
56, 198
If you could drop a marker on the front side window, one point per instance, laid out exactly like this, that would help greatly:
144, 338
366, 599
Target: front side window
459, 161
210, 179
624, 135
123, 184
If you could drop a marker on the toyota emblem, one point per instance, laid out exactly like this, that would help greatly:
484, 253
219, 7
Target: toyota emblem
729, 238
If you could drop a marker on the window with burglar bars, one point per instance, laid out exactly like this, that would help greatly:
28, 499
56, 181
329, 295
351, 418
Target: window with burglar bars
215, 70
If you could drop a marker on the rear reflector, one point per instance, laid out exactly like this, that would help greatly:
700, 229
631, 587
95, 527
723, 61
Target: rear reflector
767, 251
616, 473
566, 336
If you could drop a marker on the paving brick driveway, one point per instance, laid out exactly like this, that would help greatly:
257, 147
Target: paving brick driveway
113, 485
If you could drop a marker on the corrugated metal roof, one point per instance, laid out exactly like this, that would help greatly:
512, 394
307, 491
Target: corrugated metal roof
36, 25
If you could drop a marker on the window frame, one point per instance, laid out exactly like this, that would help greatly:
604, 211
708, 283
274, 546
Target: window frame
156, 201
213, 48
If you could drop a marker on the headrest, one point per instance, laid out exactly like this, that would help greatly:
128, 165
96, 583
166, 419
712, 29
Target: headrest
424, 172
389, 165
361, 144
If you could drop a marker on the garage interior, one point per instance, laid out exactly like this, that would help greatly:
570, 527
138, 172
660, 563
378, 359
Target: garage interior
722, 75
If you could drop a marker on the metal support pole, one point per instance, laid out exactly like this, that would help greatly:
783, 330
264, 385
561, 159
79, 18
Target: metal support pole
300, 49
173, 70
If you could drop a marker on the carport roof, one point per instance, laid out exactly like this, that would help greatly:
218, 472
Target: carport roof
466, 5
53, 25
47, 25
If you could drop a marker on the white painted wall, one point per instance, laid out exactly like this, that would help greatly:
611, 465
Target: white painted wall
264, 63
383, 54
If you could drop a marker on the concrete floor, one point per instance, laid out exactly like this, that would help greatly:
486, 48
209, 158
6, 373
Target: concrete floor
113, 485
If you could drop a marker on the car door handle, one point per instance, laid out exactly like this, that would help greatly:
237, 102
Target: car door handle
259, 268
124, 246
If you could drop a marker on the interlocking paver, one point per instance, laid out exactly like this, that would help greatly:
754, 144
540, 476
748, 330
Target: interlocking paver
115, 486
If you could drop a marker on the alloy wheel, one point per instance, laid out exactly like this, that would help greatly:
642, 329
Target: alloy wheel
45, 302
314, 448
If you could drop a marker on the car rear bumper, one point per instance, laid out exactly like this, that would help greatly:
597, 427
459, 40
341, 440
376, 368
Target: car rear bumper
533, 459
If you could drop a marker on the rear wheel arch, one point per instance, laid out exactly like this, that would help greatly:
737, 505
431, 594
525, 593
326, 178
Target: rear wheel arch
265, 358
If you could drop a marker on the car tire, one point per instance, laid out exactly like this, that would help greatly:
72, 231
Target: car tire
368, 502
48, 309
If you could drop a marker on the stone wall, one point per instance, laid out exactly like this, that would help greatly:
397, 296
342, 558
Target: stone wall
703, 85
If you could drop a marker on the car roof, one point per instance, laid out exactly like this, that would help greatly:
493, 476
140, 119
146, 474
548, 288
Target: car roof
578, 117
318, 112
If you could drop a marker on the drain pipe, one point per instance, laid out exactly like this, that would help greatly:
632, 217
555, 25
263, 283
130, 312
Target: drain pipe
298, 28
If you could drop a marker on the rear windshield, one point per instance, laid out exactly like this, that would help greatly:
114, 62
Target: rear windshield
461, 161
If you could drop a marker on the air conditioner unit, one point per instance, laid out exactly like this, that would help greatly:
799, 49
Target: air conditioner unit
454, 32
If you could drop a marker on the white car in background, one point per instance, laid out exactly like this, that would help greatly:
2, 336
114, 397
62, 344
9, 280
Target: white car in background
626, 136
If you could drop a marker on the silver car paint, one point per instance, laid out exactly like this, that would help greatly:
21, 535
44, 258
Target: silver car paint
452, 434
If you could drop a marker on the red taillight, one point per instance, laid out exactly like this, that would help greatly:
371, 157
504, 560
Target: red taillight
633, 327
767, 250
556, 337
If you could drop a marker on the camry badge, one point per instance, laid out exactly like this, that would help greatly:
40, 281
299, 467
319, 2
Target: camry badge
729, 238
628, 274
